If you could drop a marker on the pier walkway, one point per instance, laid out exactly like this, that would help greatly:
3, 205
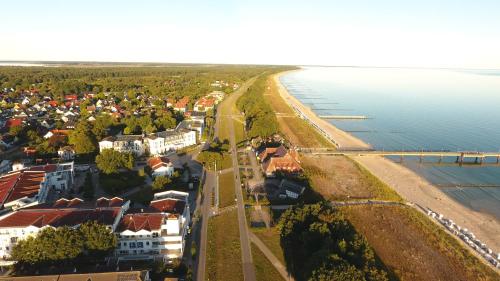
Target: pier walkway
460, 155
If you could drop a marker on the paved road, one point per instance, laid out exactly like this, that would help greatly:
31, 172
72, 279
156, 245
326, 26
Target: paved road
208, 188
246, 254
271, 257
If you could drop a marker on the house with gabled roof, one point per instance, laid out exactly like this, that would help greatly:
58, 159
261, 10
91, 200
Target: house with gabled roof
279, 159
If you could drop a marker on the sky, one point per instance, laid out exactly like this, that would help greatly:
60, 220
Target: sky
420, 33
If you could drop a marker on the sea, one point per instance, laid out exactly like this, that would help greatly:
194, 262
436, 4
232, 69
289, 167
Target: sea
417, 109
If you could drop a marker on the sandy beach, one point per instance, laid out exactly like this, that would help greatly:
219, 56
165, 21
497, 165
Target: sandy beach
407, 183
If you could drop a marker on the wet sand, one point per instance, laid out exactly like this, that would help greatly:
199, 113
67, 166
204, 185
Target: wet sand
405, 182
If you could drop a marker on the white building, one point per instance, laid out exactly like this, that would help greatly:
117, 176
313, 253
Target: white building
22, 223
33, 185
158, 232
157, 144
161, 166
66, 153
124, 143
162, 142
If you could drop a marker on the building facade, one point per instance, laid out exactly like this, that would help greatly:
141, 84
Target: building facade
158, 232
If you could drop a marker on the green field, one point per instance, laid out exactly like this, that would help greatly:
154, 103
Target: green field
226, 190
224, 249
271, 238
264, 269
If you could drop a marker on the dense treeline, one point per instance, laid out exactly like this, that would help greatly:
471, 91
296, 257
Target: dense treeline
174, 81
259, 116
320, 244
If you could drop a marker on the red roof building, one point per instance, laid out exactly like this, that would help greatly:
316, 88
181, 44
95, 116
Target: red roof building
279, 159
17, 185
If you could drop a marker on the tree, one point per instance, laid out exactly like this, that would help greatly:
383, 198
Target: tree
83, 139
98, 239
15, 130
101, 125
88, 188
160, 182
166, 122
320, 244
109, 161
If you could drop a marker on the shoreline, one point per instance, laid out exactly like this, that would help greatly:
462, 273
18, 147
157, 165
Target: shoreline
409, 185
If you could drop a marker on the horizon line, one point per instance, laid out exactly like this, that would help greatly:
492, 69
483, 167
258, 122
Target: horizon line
218, 63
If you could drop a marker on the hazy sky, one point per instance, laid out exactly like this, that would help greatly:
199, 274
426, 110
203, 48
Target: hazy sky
428, 33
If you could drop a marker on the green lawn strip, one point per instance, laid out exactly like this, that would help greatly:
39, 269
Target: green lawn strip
264, 269
226, 189
224, 249
271, 238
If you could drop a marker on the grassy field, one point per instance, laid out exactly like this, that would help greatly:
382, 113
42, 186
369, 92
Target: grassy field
344, 179
239, 131
264, 269
271, 238
413, 247
223, 249
295, 129
226, 189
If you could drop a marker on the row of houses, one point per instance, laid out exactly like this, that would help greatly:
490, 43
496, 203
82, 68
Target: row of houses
157, 232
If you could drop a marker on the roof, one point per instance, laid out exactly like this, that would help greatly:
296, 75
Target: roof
168, 205
57, 217
286, 164
292, 186
279, 151
141, 221
20, 184
158, 162
103, 276
78, 203
123, 138
13, 122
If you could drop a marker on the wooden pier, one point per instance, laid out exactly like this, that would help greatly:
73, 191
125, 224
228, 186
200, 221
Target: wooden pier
461, 156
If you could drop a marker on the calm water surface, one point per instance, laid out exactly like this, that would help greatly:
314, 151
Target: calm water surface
414, 109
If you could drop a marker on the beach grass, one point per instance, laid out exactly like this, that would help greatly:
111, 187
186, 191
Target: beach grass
381, 189
224, 249
413, 246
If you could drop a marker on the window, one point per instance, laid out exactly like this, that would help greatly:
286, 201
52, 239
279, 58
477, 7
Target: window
7, 248
142, 251
119, 245
13, 239
132, 244
147, 243
124, 252
135, 252
140, 245
155, 234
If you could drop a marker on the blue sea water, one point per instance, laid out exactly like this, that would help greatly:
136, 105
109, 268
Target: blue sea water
415, 109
